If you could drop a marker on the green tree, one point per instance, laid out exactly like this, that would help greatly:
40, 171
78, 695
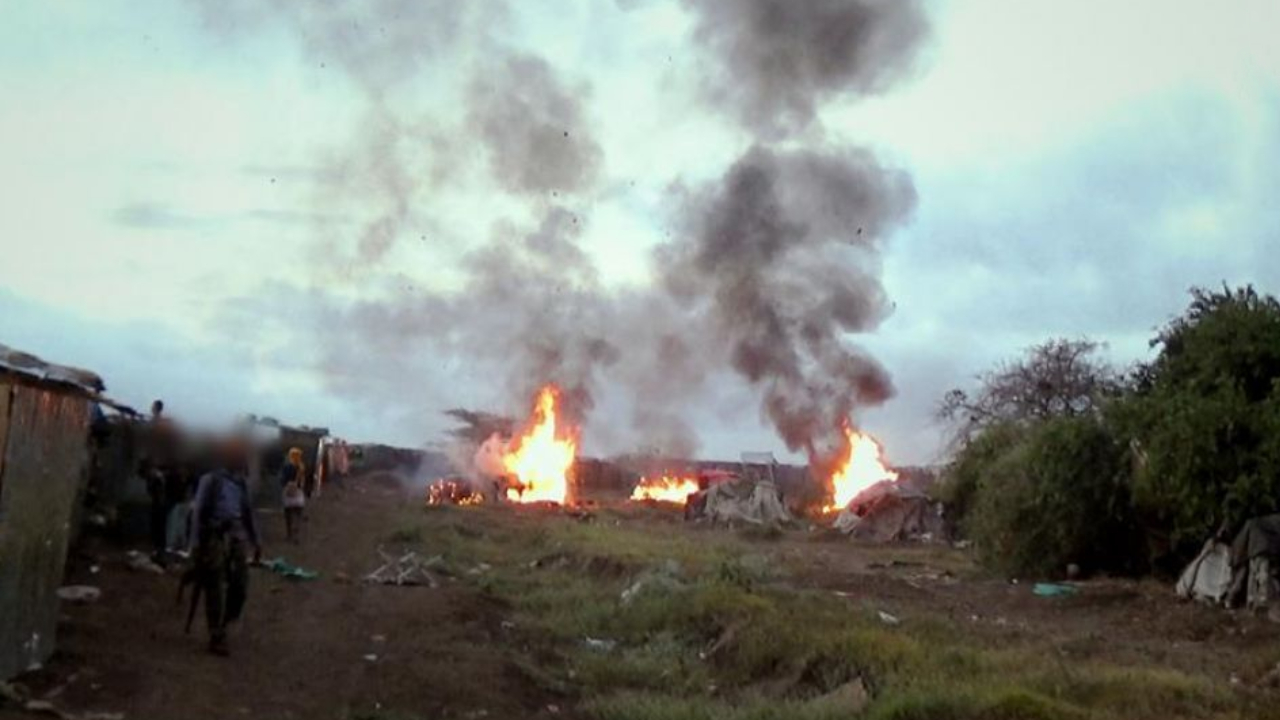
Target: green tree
1057, 378
1057, 494
1205, 417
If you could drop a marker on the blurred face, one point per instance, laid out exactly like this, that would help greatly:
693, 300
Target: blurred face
233, 453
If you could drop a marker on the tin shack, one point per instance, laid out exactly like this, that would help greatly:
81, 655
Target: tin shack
45, 416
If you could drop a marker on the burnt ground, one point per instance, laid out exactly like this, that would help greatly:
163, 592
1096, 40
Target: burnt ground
336, 648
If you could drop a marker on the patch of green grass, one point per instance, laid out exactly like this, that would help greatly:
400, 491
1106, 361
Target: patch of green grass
958, 703
643, 706
704, 624
410, 535
1145, 692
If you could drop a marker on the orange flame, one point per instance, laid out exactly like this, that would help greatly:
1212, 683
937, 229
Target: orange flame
668, 488
858, 470
452, 492
541, 458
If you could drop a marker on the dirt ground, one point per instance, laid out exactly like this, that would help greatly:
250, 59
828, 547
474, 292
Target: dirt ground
328, 648
336, 648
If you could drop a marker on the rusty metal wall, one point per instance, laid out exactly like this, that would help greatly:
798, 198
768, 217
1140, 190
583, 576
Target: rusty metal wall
44, 449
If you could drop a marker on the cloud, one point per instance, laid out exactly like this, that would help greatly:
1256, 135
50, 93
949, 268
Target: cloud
1101, 239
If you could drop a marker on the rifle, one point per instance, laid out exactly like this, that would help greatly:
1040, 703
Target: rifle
193, 576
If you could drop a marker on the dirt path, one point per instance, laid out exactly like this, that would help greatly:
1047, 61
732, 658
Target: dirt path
329, 648
336, 648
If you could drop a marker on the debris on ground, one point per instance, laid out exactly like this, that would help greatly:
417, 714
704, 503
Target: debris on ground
284, 568
17, 696
1272, 678
850, 698
600, 644
79, 594
888, 619
664, 578
554, 560
1054, 590
409, 569
139, 561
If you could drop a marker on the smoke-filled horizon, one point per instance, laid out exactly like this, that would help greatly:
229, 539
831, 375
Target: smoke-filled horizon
771, 267
718, 225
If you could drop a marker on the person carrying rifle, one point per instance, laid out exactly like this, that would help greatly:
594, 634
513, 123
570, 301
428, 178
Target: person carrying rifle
223, 531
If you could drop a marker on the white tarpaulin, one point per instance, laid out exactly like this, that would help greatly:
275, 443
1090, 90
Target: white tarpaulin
1208, 577
745, 500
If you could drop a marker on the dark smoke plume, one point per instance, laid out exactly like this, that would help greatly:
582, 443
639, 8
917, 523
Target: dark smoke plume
378, 43
778, 60
476, 426
533, 127
781, 254
773, 266
782, 251
529, 310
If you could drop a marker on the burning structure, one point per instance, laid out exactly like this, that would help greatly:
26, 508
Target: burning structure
860, 468
667, 488
539, 460
533, 466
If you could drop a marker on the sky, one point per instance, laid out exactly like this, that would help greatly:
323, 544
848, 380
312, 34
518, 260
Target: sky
307, 210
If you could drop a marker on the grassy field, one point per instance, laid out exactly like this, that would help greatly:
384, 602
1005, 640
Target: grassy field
632, 615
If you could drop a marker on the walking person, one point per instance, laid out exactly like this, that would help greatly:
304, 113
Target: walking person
293, 476
224, 531
160, 468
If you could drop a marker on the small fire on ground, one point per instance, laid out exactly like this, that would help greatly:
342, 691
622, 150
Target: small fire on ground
540, 459
861, 467
667, 488
452, 492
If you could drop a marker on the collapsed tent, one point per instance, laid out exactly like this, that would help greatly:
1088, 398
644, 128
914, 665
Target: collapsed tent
1245, 573
741, 500
1255, 562
1208, 577
888, 512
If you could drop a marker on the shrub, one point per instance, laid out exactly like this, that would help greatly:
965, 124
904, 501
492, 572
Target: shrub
1206, 415
959, 486
1058, 494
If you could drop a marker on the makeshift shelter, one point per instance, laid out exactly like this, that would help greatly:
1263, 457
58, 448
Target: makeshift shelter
889, 512
1255, 564
1247, 572
750, 500
1208, 577
45, 414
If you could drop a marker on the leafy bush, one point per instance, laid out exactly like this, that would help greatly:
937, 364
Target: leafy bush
959, 486
1187, 445
1057, 495
1205, 416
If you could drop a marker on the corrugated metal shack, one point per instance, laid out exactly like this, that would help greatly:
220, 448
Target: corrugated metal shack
45, 413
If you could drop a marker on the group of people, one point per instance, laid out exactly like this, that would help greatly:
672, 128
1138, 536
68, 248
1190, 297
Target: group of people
204, 510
